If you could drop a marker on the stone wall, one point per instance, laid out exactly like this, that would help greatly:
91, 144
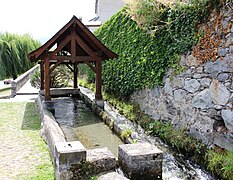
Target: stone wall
21, 80
199, 99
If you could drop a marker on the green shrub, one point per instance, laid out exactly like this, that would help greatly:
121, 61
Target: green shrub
60, 77
143, 58
35, 79
221, 163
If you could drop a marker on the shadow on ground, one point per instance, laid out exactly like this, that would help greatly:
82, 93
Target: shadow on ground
31, 120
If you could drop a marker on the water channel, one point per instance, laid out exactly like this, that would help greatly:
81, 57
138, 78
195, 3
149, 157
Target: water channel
78, 122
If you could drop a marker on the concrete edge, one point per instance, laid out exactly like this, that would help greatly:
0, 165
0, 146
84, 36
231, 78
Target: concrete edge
21, 80
50, 130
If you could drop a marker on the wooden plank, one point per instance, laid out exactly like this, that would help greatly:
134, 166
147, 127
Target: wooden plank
77, 58
73, 44
85, 46
62, 45
47, 79
75, 75
98, 94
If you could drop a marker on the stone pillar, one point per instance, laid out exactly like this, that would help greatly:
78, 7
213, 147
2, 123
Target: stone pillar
141, 161
66, 155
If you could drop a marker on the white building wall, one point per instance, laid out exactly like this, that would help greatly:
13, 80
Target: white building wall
106, 8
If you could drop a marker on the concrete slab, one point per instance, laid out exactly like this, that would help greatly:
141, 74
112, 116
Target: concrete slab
102, 159
142, 160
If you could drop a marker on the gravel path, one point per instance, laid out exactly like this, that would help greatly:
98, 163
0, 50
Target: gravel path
23, 154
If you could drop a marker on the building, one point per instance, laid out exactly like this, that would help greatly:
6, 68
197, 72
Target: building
104, 9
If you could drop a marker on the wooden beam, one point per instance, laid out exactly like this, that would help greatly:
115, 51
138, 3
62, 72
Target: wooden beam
77, 58
73, 44
75, 75
47, 79
60, 46
98, 81
42, 75
90, 65
85, 46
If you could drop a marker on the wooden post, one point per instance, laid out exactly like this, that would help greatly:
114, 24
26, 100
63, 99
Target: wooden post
42, 75
47, 79
98, 81
75, 75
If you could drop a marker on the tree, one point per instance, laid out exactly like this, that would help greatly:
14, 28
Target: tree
13, 54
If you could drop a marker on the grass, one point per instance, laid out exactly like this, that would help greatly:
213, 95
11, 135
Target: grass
22, 144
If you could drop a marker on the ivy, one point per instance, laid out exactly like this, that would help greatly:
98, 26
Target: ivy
144, 57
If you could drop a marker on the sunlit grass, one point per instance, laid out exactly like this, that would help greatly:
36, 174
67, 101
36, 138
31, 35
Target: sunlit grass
19, 127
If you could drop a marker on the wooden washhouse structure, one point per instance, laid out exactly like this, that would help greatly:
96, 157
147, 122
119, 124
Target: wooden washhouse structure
71, 45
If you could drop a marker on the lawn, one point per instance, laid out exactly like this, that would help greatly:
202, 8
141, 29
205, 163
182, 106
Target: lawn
23, 153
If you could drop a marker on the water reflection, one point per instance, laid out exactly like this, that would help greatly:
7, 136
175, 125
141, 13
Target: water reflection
78, 122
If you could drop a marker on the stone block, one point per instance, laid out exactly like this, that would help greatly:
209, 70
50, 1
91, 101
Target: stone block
112, 176
192, 85
192, 61
102, 159
99, 103
141, 161
227, 116
168, 87
222, 51
214, 67
69, 153
205, 82
223, 141
202, 100
179, 96
219, 93
223, 76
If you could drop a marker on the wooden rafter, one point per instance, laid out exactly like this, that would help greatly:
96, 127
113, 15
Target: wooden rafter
77, 58
62, 45
84, 46
90, 65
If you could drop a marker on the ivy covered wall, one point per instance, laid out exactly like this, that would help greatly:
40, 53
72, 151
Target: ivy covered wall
144, 58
